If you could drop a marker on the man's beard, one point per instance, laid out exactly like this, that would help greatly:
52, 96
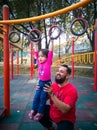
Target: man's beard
60, 80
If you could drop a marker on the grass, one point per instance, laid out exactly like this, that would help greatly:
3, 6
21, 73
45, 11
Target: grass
25, 69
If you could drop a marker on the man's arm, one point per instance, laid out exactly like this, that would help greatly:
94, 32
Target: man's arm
63, 107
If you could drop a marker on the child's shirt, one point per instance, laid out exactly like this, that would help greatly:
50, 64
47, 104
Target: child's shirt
44, 69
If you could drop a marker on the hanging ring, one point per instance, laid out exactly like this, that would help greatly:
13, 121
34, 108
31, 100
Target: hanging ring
84, 24
14, 37
35, 35
51, 31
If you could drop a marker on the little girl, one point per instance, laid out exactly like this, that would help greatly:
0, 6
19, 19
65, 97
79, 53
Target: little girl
44, 59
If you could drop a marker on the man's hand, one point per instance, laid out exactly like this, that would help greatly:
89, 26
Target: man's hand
37, 87
48, 89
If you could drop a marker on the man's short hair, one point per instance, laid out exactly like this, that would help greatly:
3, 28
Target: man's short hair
68, 68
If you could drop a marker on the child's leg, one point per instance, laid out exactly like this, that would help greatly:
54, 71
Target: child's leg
43, 99
36, 100
35, 103
41, 108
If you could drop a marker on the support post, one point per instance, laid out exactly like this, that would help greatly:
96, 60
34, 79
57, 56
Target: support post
95, 61
32, 61
17, 62
73, 57
6, 63
12, 65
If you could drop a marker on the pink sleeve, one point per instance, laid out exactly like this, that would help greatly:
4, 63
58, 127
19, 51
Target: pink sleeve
50, 57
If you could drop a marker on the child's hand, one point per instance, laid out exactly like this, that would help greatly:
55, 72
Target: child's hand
35, 43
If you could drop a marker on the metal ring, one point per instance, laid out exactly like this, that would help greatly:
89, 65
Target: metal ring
50, 32
85, 23
35, 35
14, 37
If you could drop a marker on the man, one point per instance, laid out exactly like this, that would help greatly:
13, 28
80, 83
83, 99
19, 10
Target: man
63, 97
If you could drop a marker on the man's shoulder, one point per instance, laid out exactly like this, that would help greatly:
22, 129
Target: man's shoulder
73, 88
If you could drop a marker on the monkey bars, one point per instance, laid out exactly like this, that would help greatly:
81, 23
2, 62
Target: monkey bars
53, 14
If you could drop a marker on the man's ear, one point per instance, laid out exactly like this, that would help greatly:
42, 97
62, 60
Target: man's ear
67, 76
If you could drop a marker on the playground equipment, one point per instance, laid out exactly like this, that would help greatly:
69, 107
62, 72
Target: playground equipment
95, 64
54, 31
85, 58
12, 46
14, 37
53, 14
34, 35
6, 63
79, 22
73, 57
7, 22
2, 29
32, 60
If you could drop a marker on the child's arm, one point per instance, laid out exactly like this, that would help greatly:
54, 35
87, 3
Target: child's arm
51, 45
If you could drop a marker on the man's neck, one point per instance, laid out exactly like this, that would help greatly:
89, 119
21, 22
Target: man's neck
63, 84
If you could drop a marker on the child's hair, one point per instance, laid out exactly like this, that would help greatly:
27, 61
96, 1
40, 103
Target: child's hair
45, 52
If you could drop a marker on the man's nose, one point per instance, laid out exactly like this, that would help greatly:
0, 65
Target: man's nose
58, 72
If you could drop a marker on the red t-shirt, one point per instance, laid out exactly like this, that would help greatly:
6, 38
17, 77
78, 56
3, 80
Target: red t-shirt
67, 94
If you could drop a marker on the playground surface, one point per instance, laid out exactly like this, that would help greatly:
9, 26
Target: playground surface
22, 89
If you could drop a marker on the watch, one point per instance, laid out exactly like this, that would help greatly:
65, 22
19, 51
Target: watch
52, 94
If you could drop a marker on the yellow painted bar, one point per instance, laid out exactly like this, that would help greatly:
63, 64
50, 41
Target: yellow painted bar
53, 14
1, 36
16, 46
3, 30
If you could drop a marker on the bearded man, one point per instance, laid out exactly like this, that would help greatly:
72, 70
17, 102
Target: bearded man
63, 97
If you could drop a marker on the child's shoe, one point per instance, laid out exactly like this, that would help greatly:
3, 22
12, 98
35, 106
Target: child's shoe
38, 116
31, 114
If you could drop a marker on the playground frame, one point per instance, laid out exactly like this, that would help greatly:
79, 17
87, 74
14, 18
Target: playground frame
53, 14
6, 24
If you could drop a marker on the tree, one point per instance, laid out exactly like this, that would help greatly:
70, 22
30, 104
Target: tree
28, 8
